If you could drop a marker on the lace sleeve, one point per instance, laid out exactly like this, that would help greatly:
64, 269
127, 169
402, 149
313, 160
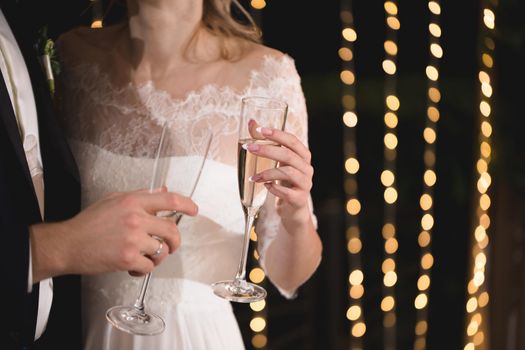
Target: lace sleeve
286, 85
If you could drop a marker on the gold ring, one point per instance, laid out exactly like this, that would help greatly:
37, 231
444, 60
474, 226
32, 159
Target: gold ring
159, 249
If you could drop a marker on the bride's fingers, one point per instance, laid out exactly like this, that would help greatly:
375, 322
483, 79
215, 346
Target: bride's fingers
294, 197
287, 140
253, 129
288, 174
282, 155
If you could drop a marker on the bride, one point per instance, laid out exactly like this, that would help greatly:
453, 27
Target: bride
187, 63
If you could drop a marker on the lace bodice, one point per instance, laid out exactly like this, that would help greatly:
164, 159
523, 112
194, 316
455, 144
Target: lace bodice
114, 130
124, 120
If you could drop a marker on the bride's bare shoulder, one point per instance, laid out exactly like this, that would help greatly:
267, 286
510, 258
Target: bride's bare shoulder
85, 44
260, 50
253, 58
255, 54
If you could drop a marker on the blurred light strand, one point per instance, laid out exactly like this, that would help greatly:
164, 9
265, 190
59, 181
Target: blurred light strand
426, 201
354, 313
388, 176
258, 322
476, 330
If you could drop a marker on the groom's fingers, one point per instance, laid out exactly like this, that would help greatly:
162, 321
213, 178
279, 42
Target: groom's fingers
154, 251
162, 189
136, 274
167, 230
155, 202
142, 266
159, 253
155, 190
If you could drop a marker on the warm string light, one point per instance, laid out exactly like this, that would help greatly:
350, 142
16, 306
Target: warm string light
258, 4
426, 200
354, 313
258, 323
388, 176
478, 297
256, 10
96, 22
259, 318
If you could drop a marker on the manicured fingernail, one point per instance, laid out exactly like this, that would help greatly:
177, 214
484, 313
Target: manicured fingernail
252, 147
264, 131
255, 178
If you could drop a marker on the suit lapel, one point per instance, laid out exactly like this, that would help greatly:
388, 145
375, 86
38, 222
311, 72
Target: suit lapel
8, 117
6, 108
52, 140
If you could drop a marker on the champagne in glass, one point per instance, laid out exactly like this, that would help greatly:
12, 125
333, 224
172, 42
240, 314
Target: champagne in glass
253, 194
178, 170
264, 112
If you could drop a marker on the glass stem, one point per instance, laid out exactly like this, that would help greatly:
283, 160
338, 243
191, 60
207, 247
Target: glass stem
139, 303
250, 217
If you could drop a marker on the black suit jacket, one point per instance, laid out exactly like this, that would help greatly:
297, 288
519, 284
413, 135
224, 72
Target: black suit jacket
19, 210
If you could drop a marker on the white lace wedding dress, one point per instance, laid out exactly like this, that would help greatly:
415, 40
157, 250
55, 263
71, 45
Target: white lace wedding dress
113, 132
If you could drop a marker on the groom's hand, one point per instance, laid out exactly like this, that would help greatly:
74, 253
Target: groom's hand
114, 234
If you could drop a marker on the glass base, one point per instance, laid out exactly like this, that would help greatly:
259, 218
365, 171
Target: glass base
239, 291
133, 321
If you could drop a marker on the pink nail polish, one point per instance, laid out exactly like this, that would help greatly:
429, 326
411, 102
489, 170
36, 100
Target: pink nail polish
265, 131
255, 178
252, 147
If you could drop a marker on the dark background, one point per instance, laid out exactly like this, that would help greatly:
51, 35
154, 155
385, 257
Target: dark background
309, 31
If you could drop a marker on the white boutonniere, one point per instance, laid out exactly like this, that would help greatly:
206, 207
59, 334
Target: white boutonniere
47, 57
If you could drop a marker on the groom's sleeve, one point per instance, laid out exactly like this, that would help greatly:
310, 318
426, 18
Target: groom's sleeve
21, 306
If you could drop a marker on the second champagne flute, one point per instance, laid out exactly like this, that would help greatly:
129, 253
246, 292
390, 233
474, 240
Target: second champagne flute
264, 112
179, 170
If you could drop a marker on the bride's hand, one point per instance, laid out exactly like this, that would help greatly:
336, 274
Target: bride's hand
291, 182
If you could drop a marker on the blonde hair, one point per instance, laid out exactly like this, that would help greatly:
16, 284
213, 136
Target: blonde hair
217, 17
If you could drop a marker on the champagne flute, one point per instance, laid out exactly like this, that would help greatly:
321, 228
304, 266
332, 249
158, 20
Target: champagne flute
179, 170
265, 112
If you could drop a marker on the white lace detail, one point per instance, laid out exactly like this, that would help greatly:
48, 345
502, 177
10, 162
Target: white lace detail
124, 119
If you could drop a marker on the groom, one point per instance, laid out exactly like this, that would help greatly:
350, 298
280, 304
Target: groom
46, 242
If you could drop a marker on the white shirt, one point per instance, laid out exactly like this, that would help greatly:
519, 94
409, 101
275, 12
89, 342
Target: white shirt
18, 84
